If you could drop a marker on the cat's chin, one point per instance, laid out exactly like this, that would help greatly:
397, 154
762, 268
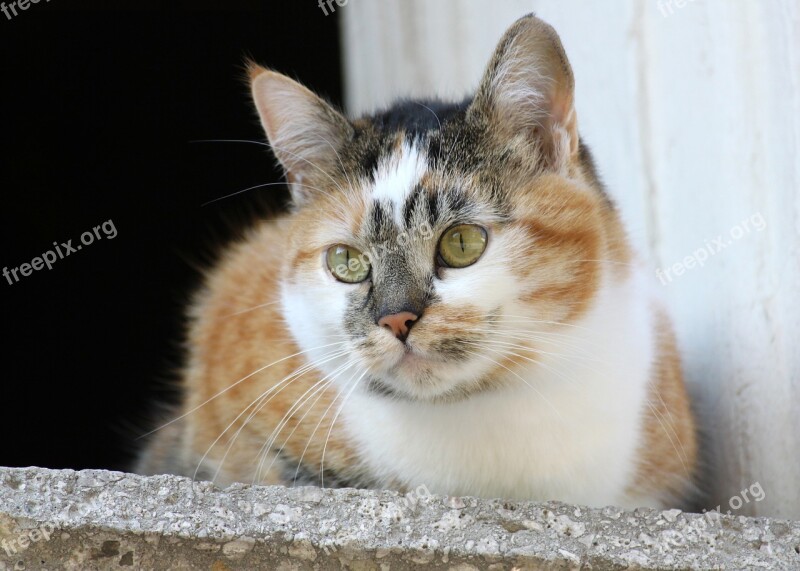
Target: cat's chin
411, 361
411, 375
403, 363
423, 388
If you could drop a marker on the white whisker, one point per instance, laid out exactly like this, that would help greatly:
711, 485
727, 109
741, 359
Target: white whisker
223, 391
334, 376
268, 443
521, 379
330, 430
300, 371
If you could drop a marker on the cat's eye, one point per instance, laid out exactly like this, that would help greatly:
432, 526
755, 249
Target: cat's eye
461, 246
347, 264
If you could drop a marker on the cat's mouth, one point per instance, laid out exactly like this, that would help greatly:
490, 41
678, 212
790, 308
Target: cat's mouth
410, 360
441, 352
419, 355
442, 370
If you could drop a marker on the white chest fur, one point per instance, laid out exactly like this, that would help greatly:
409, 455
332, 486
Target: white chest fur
571, 433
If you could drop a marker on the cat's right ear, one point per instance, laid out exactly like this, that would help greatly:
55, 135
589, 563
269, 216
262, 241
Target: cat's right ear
304, 131
528, 90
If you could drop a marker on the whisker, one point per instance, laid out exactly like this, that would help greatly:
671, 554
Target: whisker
330, 430
295, 155
311, 437
520, 378
286, 381
263, 144
527, 335
674, 432
541, 352
339, 158
334, 376
433, 112
223, 391
606, 261
268, 443
318, 388
504, 353
255, 187
251, 309
524, 319
671, 441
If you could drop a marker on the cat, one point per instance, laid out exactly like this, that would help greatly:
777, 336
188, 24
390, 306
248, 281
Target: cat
451, 301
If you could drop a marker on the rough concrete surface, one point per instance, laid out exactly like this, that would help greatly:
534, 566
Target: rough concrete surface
61, 519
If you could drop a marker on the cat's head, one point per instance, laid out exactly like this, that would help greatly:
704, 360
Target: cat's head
433, 242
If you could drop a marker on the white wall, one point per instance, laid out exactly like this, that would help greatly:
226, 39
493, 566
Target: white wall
694, 118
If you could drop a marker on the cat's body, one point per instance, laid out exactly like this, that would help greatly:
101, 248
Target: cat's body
500, 338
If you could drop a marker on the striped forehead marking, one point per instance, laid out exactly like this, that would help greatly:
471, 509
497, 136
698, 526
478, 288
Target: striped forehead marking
397, 175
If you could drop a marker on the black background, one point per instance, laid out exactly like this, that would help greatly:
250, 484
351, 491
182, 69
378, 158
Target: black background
99, 107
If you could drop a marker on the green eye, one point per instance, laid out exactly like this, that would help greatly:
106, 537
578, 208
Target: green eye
462, 245
347, 264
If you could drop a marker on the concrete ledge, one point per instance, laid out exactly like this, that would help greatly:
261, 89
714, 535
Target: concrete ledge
61, 519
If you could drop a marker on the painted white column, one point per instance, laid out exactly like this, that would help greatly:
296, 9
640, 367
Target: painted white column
693, 113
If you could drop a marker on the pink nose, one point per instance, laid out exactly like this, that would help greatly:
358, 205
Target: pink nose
398, 323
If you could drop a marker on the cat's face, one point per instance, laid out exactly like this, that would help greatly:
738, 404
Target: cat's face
434, 245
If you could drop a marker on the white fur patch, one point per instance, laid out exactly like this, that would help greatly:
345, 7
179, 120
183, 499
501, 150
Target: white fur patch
571, 433
397, 175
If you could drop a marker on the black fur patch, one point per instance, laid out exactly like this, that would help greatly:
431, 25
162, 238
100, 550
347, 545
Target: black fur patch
411, 203
377, 387
417, 117
294, 474
381, 220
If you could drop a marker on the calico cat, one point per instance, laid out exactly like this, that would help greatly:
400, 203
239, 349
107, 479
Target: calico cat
451, 302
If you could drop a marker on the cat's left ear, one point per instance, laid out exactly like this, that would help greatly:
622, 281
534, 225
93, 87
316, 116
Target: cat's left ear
528, 90
304, 131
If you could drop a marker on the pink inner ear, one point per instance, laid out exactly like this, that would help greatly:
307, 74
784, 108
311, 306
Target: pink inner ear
564, 115
560, 105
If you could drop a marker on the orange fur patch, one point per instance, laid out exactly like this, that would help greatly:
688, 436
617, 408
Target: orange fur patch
232, 343
668, 453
